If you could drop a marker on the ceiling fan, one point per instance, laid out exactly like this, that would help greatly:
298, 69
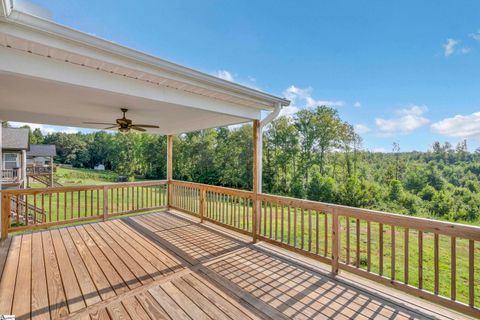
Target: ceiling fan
125, 125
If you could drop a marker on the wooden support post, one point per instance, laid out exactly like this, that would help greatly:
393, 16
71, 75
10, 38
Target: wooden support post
169, 170
257, 157
105, 203
335, 241
203, 203
51, 171
6, 204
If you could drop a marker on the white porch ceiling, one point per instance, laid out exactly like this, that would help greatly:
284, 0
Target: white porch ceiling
34, 100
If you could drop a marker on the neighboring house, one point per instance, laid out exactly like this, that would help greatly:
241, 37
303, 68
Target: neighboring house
23, 161
40, 163
15, 144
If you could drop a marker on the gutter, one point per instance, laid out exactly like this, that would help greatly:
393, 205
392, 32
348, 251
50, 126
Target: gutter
271, 116
6, 7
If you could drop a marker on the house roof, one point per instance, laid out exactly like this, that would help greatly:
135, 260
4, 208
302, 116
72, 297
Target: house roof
15, 138
93, 78
42, 150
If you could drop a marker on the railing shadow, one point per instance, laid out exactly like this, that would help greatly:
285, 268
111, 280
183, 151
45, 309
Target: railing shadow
192, 242
298, 292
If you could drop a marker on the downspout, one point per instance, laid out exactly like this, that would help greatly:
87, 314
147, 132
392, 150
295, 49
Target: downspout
6, 7
269, 118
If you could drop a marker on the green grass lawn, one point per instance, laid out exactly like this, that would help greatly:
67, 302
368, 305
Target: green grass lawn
78, 176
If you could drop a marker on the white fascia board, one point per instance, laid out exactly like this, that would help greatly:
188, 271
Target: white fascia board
31, 65
68, 39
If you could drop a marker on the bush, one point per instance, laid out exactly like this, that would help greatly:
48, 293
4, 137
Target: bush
427, 193
322, 189
396, 190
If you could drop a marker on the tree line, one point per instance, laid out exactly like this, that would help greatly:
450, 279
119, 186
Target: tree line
313, 155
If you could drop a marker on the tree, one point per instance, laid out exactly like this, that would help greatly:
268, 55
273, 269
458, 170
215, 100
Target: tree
36, 137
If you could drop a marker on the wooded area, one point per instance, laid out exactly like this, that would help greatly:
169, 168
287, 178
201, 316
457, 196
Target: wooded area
313, 155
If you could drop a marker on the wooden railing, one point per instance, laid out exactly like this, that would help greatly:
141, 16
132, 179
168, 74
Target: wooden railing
228, 207
25, 209
435, 260
11, 175
33, 169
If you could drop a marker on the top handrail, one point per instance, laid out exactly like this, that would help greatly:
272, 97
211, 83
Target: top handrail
82, 187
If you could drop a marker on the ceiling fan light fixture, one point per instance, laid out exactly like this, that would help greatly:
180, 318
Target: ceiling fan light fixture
124, 125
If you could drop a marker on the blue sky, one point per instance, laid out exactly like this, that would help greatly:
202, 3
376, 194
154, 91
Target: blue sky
405, 71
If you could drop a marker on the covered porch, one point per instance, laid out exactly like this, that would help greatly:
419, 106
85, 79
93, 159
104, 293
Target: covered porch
286, 258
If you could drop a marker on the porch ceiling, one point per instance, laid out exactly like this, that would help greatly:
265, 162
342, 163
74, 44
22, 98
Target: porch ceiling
55, 75
34, 100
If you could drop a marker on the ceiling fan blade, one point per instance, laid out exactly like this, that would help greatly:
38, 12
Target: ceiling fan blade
108, 128
137, 128
104, 123
145, 126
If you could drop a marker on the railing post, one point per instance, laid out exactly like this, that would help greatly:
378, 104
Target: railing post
6, 204
256, 214
335, 241
203, 203
105, 203
257, 159
169, 170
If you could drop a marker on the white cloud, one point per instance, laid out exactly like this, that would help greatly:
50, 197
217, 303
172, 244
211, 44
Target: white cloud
450, 47
407, 120
225, 75
379, 150
361, 128
459, 126
289, 111
303, 96
357, 104
46, 129
475, 35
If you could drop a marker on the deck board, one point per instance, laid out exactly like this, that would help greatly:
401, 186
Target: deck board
166, 266
40, 306
21, 299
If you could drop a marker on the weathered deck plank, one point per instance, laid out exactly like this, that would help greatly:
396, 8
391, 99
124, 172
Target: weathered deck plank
163, 266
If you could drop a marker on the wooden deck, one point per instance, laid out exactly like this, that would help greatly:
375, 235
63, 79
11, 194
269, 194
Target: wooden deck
166, 266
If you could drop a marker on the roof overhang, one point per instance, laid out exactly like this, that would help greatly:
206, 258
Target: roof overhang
56, 75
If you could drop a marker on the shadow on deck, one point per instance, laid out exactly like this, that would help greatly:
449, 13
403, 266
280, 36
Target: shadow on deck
166, 266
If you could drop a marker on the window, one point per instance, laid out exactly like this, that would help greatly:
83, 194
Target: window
11, 160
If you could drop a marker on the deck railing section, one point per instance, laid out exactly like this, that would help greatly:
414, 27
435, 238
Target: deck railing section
435, 260
228, 207
33, 169
11, 175
24, 209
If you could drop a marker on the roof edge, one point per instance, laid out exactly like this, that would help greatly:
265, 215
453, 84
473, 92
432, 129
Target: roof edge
70, 34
